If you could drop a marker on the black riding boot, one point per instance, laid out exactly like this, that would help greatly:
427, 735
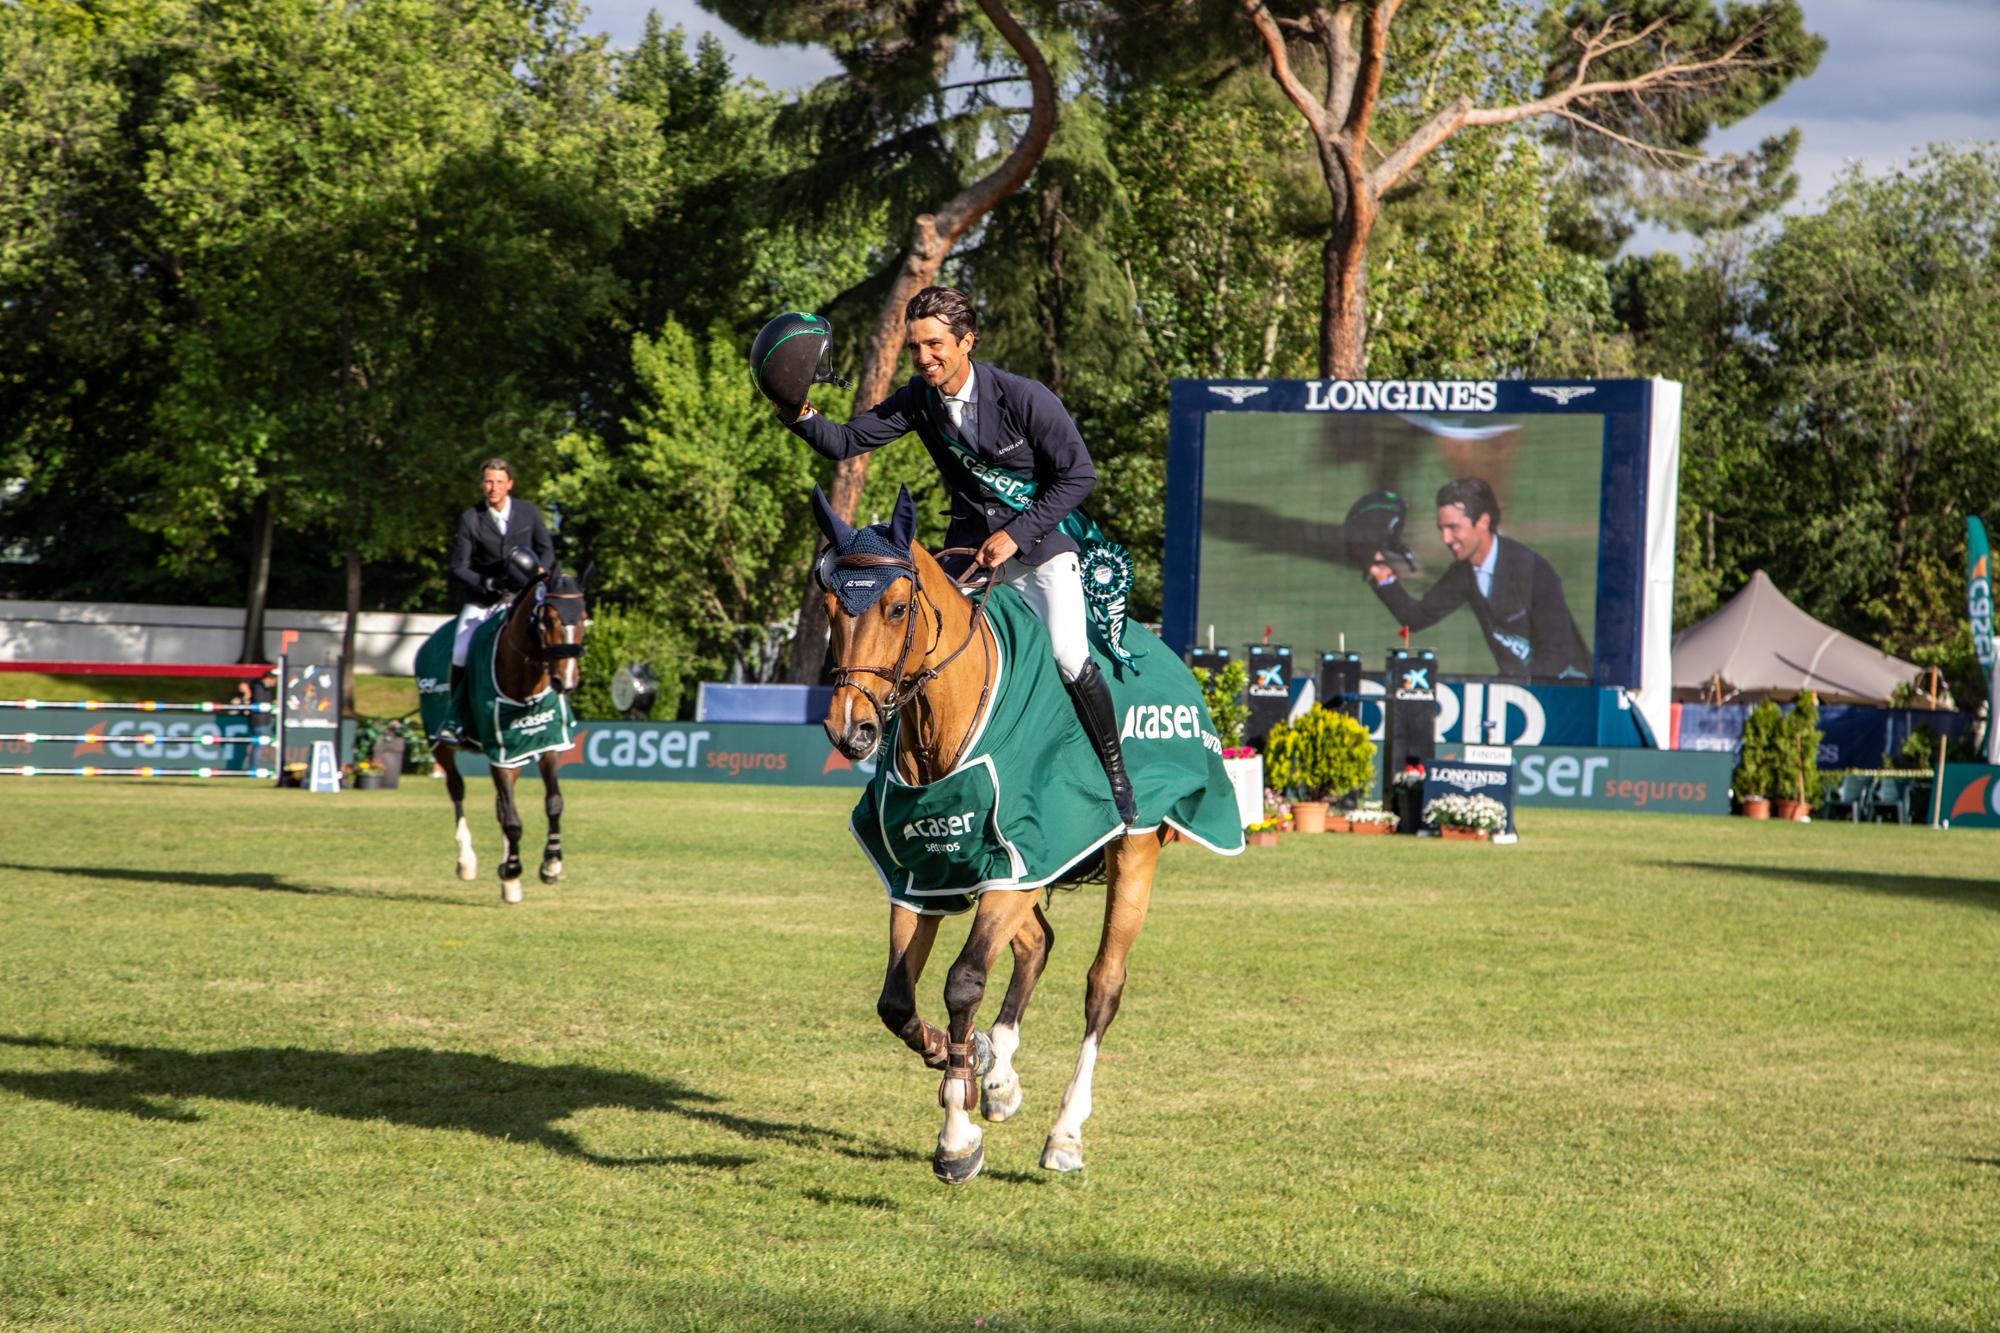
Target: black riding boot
1092, 698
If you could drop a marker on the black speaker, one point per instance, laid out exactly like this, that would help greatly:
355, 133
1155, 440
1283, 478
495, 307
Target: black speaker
1270, 692
1207, 660
1409, 708
1340, 683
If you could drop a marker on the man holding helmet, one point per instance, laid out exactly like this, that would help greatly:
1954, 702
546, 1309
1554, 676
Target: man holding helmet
500, 546
1009, 455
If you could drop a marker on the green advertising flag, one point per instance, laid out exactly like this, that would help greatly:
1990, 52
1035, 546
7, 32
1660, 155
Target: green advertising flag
1979, 604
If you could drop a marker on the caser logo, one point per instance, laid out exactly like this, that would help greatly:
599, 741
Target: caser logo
1161, 722
541, 719
942, 826
430, 685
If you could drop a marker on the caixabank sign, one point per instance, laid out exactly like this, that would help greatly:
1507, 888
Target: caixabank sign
1658, 781
767, 754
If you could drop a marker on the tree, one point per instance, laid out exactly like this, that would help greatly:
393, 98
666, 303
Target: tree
885, 114
1651, 77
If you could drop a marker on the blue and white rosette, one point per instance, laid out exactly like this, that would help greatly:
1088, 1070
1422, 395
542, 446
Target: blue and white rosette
1107, 577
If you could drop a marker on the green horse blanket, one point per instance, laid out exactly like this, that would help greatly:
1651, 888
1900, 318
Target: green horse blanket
509, 732
1028, 803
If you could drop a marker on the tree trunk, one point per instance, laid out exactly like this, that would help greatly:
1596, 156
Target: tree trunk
1343, 316
347, 630
931, 238
257, 591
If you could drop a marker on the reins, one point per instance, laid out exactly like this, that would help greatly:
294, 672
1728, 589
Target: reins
903, 687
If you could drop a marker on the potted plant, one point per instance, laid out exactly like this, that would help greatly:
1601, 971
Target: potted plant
1797, 752
1373, 822
1318, 759
1463, 815
379, 743
1406, 797
368, 776
1757, 760
1263, 833
1222, 691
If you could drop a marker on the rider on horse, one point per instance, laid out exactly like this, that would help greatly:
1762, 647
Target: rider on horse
484, 559
993, 435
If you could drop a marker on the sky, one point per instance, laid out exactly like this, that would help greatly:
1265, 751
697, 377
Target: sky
1897, 76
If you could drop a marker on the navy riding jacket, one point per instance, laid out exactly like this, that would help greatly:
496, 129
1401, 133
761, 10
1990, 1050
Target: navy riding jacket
1018, 427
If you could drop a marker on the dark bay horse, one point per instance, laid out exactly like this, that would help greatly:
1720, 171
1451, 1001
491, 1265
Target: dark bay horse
540, 648
923, 650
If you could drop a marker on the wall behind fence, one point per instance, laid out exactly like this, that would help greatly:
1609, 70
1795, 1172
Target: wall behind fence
385, 642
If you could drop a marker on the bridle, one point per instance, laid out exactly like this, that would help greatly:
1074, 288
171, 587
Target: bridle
557, 652
904, 687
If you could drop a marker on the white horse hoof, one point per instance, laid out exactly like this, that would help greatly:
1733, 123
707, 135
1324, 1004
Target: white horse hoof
1000, 1101
510, 890
551, 871
955, 1168
468, 870
1066, 1155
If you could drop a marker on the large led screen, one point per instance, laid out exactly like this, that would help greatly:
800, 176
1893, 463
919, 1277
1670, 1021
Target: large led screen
1504, 523
1478, 531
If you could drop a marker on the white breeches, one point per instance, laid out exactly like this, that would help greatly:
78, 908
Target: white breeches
471, 616
1054, 592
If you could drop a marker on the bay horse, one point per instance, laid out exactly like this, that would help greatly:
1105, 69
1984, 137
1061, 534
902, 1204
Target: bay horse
923, 649
540, 648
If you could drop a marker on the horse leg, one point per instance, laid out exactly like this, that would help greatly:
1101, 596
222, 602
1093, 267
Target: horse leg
510, 828
552, 803
454, 782
1130, 862
997, 920
1000, 1090
910, 939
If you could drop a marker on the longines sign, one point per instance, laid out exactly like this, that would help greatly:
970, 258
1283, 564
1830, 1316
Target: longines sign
1401, 395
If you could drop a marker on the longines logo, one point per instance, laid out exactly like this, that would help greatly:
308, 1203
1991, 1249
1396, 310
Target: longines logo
1564, 394
1236, 393
1401, 395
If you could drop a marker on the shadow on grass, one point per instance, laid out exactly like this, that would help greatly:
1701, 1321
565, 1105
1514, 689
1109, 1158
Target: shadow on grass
1275, 1300
1937, 888
210, 879
424, 1089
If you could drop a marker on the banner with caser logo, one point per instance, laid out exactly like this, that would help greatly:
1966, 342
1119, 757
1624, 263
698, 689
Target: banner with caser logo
1679, 782
1979, 608
771, 754
1971, 797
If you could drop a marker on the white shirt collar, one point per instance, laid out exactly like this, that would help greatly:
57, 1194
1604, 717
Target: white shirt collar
498, 517
964, 394
1483, 571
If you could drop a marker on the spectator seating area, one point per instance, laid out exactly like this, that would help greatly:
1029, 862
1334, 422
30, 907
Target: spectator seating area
1880, 797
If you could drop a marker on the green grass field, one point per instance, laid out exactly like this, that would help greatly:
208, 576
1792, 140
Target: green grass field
265, 1064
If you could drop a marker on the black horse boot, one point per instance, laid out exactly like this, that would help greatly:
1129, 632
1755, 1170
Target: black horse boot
1092, 698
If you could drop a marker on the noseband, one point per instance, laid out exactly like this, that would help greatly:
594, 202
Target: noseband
557, 652
904, 687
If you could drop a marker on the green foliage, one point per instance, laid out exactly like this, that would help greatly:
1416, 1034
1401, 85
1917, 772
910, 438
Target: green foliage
1324, 756
1798, 738
1760, 758
697, 515
621, 638
1222, 691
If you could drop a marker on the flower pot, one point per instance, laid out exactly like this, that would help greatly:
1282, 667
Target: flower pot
368, 782
1451, 834
1336, 823
1792, 810
1309, 816
1267, 837
1756, 807
389, 753
1409, 805
1371, 829
1246, 776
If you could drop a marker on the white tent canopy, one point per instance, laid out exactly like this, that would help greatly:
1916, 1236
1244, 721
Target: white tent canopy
1760, 646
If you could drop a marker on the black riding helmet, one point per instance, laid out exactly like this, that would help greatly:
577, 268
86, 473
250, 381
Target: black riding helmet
789, 357
1375, 523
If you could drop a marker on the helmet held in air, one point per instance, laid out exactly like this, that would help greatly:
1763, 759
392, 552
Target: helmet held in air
790, 355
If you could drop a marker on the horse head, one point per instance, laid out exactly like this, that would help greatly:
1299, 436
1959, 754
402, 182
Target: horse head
562, 617
874, 590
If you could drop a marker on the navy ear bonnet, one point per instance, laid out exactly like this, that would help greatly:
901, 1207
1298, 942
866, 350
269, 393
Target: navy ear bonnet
858, 588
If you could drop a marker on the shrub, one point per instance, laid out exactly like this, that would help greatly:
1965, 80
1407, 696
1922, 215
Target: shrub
1797, 751
1757, 759
1223, 692
1322, 757
618, 638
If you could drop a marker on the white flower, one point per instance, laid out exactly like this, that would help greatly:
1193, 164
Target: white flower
1459, 810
